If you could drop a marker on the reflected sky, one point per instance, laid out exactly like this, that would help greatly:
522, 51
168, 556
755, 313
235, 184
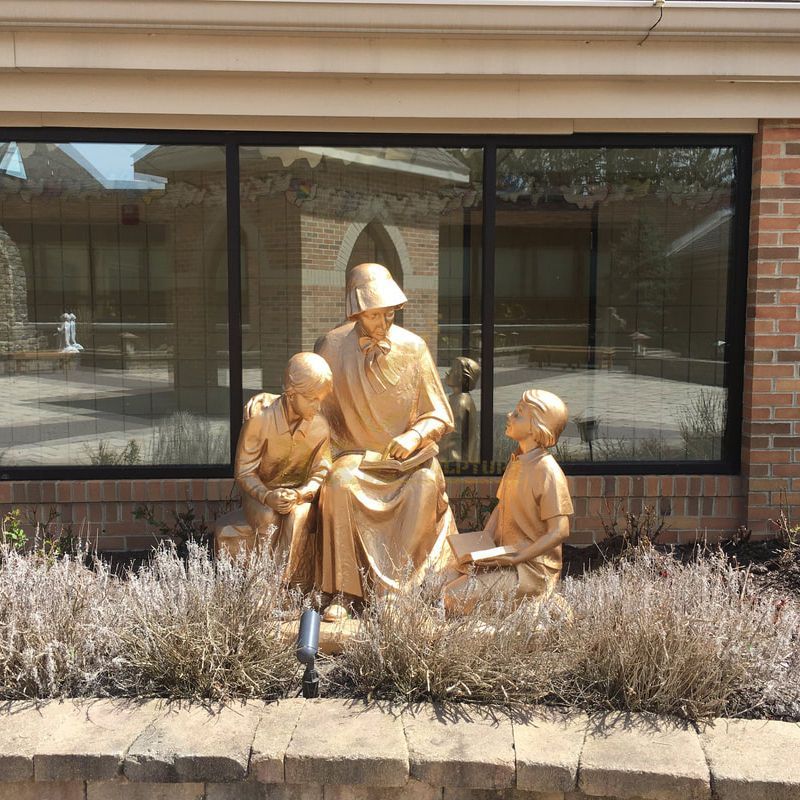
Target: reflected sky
113, 161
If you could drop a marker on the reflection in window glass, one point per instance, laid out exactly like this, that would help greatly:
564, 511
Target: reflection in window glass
612, 269
309, 214
113, 333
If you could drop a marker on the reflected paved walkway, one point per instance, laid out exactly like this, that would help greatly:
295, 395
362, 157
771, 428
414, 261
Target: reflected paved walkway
60, 417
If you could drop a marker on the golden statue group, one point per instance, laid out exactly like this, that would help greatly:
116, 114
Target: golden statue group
339, 475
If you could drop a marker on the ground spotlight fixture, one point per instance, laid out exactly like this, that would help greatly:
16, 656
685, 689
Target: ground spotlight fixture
307, 649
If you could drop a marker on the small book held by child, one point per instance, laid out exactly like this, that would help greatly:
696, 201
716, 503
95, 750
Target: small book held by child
476, 547
375, 462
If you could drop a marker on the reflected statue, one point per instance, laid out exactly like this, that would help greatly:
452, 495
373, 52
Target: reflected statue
463, 444
282, 458
387, 399
66, 334
519, 550
62, 332
73, 342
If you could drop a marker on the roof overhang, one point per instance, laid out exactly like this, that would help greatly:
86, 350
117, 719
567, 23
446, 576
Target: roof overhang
482, 18
514, 66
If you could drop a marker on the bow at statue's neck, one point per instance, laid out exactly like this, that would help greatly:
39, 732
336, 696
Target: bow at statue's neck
369, 343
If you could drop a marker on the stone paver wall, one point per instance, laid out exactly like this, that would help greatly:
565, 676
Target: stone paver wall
348, 750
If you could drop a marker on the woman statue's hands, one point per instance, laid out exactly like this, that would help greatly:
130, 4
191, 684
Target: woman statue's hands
404, 445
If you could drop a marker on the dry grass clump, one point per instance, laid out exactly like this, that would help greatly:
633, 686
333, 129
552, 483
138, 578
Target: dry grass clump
652, 634
407, 649
54, 636
646, 634
205, 629
188, 628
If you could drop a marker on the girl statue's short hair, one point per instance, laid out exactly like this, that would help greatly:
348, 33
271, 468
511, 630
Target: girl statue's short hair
548, 414
307, 373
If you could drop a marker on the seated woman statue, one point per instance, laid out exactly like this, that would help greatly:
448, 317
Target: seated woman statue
531, 519
282, 457
379, 527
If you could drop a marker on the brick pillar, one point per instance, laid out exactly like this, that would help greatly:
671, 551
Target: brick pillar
771, 411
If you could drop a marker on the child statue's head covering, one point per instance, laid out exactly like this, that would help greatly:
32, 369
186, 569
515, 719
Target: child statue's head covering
372, 286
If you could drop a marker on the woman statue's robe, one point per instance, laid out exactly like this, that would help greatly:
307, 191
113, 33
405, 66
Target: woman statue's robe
388, 526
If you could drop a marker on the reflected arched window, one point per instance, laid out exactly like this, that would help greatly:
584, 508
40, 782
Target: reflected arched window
374, 245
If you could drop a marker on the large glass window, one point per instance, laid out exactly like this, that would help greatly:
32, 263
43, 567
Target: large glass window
309, 214
113, 321
612, 272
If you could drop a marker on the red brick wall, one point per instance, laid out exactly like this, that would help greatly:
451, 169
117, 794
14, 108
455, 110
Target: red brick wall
771, 414
694, 505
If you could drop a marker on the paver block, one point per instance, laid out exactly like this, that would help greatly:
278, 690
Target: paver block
413, 790
501, 794
195, 744
274, 732
87, 739
548, 748
347, 742
125, 790
460, 747
753, 759
52, 790
21, 727
255, 790
629, 756
582, 796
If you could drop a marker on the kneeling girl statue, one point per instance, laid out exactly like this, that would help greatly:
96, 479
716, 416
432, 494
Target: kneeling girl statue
531, 519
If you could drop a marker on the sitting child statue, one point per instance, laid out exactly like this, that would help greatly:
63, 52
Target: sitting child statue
531, 519
282, 457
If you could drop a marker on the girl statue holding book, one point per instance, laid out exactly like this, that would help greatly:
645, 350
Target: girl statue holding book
519, 551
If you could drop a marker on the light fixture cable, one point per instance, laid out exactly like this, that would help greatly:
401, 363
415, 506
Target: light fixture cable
660, 5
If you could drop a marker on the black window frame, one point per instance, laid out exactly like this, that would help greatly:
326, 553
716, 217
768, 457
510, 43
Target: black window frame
742, 144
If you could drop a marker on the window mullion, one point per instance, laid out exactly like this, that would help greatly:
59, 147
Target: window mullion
487, 306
